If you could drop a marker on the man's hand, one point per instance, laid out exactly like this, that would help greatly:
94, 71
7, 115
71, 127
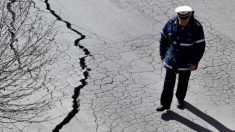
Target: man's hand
192, 67
162, 58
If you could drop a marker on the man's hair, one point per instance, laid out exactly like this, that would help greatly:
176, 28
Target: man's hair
192, 16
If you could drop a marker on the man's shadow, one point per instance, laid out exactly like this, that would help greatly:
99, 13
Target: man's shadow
170, 115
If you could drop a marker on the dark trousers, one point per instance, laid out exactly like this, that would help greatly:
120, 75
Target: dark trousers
169, 84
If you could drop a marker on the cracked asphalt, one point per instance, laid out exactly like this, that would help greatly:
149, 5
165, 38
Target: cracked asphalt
125, 73
126, 79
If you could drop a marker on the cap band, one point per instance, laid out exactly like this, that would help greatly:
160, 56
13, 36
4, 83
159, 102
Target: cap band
184, 16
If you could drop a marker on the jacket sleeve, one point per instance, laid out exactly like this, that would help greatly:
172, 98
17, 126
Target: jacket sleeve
199, 46
164, 43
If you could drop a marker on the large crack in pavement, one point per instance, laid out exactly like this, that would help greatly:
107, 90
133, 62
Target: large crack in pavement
83, 65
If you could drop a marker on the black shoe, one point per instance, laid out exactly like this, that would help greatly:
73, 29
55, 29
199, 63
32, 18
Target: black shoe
181, 104
162, 108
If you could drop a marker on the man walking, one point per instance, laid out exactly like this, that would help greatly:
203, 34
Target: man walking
182, 45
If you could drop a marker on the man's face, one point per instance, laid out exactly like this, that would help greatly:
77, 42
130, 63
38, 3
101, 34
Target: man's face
184, 21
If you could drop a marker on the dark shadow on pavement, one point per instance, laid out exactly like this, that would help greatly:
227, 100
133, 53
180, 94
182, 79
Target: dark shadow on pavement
170, 115
220, 127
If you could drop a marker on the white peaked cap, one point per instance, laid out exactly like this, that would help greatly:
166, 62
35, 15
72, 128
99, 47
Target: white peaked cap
182, 9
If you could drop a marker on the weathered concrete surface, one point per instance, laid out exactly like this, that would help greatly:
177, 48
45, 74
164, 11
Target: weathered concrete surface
126, 75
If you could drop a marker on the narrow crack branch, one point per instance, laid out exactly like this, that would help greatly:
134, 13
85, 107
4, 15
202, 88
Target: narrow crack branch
83, 65
12, 29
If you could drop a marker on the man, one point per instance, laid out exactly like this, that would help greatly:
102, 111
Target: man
182, 45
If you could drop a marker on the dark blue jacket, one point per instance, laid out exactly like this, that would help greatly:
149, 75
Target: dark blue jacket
181, 46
